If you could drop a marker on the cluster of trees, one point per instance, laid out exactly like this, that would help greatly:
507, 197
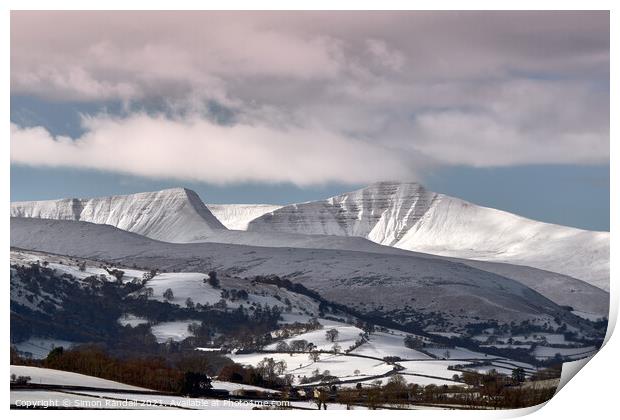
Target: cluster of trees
413, 342
317, 376
268, 373
89, 310
212, 280
234, 294
297, 328
115, 272
295, 346
491, 390
186, 373
153, 373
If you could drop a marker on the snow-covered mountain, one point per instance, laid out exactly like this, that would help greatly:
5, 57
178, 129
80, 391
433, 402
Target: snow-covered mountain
407, 216
404, 287
173, 215
237, 216
178, 215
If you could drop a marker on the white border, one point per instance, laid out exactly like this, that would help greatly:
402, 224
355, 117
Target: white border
591, 396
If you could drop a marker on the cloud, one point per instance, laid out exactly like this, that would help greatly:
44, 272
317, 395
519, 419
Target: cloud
194, 149
330, 96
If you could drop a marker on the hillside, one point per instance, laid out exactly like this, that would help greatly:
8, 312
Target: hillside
407, 216
174, 215
237, 216
406, 288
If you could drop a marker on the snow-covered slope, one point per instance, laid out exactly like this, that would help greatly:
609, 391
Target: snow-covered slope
178, 215
404, 287
237, 216
173, 215
44, 376
407, 216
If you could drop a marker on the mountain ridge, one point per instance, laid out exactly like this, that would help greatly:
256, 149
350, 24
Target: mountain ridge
175, 214
385, 217
408, 216
400, 285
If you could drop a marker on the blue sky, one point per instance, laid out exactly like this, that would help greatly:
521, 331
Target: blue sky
568, 195
508, 110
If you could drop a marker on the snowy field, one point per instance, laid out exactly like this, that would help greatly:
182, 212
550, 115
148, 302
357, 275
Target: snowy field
59, 377
42, 399
342, 366
40, 347
120, 396
194, 286
457, 353
381, 344
237, 216
184, 285
347, 335
435, 368
65, 265
544, 352
132, 320
174, 330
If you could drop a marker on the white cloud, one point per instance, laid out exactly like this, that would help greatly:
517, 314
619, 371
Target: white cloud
317, 97
198, 150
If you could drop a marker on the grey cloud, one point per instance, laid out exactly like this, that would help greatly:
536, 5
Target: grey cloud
473, 88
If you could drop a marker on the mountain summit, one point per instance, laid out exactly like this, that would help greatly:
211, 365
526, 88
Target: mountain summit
172, 215
408, 216
402, 215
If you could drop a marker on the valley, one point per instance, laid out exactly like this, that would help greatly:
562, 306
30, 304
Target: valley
157, 275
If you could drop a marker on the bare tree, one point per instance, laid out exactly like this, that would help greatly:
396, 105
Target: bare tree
331, 335
314, 356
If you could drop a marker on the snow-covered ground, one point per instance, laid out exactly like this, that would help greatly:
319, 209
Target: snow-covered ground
381, 344
436, 368
59, 377
194, 286
39, 347
347, 335
132, 320
545, 352
174, 330
121, 397
458, 353
65, 265
231, 387
399, 215
64, 400
339, 365
183, 286
180, 402
407, 216
175, 215
237, 216
363, 281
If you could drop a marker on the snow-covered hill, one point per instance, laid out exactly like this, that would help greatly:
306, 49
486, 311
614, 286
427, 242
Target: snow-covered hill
178, 215
397, 215
237, 216
403, 287
173, 215
407, 216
